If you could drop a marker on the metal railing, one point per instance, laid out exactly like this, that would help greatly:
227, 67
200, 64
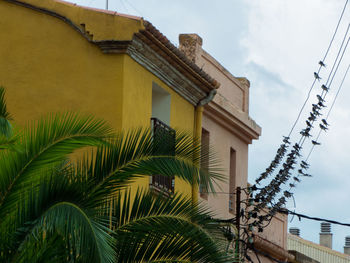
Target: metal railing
164, 144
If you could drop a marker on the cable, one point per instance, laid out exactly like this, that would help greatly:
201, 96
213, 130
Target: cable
330, 109
336, 29
276, 160
324, 58
288, 212
134, 8
333, 74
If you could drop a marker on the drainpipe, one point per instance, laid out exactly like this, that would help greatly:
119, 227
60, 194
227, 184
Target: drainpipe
198, 132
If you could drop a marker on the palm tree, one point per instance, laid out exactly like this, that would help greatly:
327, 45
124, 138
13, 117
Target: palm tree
59, 207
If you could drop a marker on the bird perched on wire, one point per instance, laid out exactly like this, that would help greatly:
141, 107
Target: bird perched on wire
297, 147
315, 142
325, 122
325, 88
321, 104
304, 165
316, 107
320, 98
300, 171
286, 139
317, 76
316, 113
323, 127
296, 179
312, 117
308, 124
305, 133
321, 63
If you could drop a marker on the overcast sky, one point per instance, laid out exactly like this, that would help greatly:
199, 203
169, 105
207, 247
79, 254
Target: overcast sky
276, 45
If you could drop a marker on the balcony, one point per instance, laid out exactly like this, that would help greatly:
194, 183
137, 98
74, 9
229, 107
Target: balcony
164, 144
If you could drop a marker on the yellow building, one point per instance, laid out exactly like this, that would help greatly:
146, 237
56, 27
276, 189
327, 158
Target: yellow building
57, 56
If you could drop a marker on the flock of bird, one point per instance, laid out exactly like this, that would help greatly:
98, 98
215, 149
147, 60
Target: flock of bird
264, 202
288, 161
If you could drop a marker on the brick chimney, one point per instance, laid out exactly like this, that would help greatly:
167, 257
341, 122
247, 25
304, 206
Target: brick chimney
347, 245
191, 46
326, 235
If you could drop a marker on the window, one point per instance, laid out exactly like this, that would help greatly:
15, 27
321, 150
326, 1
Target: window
164, 136
232, 181
204, 160
160, 104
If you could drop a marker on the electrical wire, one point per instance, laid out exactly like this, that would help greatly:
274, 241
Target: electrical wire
288, 212
330, 109
273, 167
331, 77
324, 58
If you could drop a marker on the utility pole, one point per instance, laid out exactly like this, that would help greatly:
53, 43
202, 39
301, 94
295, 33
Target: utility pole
106, 4
238, 221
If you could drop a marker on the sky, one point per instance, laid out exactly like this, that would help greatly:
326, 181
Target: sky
276, 45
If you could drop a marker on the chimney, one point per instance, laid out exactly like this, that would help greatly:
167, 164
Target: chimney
191, 46
326, 235
347, 245
294, 231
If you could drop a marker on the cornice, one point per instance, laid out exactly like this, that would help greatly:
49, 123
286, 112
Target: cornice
242, 126
272, 249
155, 62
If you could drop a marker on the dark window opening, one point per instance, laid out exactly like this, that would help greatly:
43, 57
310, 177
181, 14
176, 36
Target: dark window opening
232, 181
164, 144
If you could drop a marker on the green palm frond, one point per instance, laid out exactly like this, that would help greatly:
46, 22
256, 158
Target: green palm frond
44, 143
40, 249
3, 108
54, 209
5, 126
56, 206
113, 166
157, 228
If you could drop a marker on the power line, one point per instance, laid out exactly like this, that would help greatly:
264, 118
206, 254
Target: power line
288, 212
330, 109
323, 60
283, 148
331, 76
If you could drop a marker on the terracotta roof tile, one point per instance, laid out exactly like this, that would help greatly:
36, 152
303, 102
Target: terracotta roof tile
165, 41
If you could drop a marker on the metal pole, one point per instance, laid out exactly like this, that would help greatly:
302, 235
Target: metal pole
106, 4
238, 220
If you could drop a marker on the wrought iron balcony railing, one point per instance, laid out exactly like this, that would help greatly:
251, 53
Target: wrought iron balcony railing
164, 144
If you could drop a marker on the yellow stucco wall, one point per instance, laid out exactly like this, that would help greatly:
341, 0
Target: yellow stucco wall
46, 66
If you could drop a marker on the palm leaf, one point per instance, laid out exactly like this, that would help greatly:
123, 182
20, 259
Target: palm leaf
113, 166
5, 126
155, 228
56, 206
44, 143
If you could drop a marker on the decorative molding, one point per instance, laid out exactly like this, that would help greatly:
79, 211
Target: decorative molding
246, 129
143, 54
160, 67
272, 249
112, 46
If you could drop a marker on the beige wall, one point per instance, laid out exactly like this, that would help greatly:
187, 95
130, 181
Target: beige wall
227, 120
222, 141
